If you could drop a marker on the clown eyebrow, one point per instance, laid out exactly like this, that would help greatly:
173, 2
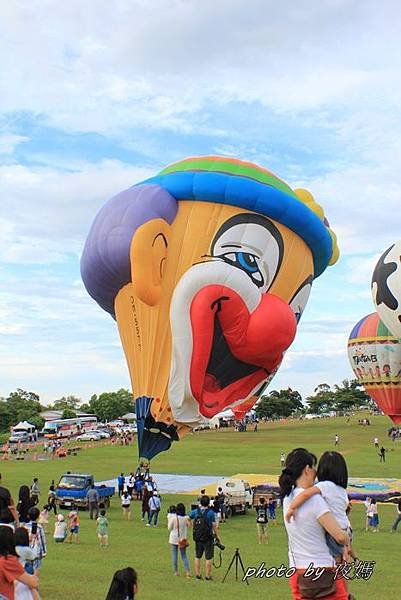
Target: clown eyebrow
162, 236
245, 248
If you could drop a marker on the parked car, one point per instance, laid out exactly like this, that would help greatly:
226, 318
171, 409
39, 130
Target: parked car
104, 435
89, 436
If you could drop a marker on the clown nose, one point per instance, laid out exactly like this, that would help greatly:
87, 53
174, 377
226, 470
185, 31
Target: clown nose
260, 337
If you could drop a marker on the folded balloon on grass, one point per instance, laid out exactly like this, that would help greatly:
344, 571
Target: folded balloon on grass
207, 268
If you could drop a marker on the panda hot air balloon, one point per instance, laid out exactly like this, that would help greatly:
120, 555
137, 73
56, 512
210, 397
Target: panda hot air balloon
375, 357
207, 268
386, 288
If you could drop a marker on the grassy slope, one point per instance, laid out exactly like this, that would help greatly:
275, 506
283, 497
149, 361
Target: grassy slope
85, 571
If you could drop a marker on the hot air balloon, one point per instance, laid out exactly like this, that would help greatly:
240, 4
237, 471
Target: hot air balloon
207, 268
386, 288
375, 357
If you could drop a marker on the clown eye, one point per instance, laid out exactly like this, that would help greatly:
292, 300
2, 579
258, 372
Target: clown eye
253, 244
300, 298
247, 262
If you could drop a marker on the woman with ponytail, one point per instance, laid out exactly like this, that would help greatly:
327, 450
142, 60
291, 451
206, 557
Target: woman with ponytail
306, 532
124, 585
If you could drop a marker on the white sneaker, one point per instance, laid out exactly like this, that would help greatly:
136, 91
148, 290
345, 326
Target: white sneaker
147, 524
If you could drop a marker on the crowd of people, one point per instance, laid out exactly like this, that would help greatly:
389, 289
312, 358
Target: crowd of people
316, 512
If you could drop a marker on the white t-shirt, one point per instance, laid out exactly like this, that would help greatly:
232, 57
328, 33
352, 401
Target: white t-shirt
173, 523
337, 499
125, 500
60, 530
306, 540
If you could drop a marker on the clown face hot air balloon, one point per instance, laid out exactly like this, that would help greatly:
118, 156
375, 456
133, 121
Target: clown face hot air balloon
386, 288
375, 357
207, 268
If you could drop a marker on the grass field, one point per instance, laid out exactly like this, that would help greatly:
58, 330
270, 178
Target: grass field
85, 571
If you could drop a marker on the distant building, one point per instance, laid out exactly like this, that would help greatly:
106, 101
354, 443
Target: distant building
53, 415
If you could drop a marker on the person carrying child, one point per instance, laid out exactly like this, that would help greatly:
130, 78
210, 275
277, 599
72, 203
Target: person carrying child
332, 474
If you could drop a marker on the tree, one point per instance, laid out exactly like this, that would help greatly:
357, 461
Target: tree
6, 418
68, 414
322, 401
277, 404
111, 405
36, 420
350, 395
66, 403
23, 406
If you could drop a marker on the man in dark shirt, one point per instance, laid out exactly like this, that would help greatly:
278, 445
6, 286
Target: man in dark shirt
93, 501
204, 543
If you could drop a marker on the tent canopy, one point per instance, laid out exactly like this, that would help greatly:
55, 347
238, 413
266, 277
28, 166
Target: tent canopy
24, 425
129, 417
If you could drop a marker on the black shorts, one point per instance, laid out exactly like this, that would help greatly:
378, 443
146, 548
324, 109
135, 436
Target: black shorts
204, 547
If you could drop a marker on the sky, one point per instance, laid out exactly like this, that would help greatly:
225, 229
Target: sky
97, 96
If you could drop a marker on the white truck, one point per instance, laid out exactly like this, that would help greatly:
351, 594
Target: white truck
23, 432
238, 495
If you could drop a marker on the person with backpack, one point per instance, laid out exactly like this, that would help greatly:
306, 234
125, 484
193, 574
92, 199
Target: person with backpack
205, 530
261, 520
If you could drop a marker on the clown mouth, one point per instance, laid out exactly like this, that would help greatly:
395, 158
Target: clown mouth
223, 368
218, 378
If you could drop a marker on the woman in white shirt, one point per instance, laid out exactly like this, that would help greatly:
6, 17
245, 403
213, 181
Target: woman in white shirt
306, 533
177, 524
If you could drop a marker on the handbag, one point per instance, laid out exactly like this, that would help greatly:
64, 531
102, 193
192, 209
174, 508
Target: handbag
182, 542
318, 588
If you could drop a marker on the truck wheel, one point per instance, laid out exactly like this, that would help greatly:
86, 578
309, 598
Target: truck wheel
229, 512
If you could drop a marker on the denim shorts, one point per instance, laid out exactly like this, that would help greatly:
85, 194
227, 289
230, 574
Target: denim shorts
334, 547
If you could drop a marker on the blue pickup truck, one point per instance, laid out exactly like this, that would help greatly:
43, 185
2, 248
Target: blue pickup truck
72, 488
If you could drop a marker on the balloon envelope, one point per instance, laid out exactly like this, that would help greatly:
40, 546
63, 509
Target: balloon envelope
386, 288
375, 357
206, 268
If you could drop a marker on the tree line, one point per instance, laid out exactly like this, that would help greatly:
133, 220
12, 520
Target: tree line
26, 406
347, 396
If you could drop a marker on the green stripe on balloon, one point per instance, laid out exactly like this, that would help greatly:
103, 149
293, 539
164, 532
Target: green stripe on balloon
382, 330
231, 168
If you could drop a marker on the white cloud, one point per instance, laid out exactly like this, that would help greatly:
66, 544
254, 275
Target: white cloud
159, 63
9, 142
49, 211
